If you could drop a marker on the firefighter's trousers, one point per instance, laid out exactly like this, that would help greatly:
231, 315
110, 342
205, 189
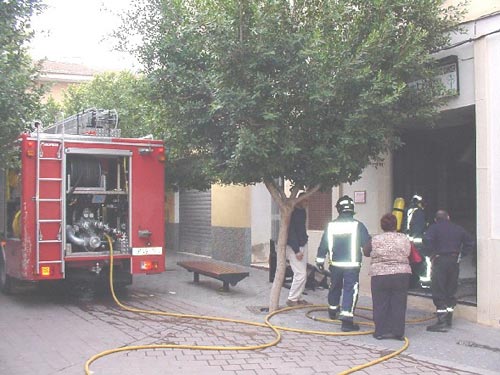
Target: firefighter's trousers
445, 270
345, 283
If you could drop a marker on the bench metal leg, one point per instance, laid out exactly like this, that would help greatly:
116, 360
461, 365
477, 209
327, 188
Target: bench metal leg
196, 277
225, 286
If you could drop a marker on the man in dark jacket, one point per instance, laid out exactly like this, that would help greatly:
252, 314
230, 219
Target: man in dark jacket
296, 253
445, 243
342, 241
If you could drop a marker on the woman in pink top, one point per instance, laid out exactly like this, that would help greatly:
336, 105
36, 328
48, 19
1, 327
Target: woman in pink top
390, 271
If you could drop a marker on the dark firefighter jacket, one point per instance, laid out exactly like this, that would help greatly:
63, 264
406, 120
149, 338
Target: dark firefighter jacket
445, 237
343, 240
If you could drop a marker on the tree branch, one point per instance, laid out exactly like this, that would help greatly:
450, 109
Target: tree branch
277, 194
294, 191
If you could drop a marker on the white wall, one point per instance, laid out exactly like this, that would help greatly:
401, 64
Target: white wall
377, 182
261, 219
489, 97
176, 207
487, 93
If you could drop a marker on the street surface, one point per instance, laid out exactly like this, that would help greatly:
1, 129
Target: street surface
47, 332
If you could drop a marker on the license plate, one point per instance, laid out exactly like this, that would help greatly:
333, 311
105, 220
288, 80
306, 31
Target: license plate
147, 250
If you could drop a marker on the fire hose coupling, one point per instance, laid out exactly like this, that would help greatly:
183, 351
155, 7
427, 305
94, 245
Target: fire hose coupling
145, 233
87, 233
89, 241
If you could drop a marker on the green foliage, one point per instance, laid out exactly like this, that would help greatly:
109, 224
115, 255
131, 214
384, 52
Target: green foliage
309, 90
49, 111
123, 91
19, 95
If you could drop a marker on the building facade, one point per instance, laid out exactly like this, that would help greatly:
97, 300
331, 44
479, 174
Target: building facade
454, 165
59, 76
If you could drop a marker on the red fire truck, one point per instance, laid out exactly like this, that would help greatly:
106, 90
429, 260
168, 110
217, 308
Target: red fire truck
77, 191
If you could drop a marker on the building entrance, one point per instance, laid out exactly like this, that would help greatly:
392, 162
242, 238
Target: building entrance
440, 165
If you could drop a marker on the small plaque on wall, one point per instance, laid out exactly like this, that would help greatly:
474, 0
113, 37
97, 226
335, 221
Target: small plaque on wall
360, 196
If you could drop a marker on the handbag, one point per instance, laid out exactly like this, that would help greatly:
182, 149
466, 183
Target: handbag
414, 256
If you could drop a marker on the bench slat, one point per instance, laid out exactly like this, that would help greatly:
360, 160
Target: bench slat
228, 274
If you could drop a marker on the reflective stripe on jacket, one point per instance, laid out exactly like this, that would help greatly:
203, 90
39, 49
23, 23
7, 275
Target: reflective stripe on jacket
342, 241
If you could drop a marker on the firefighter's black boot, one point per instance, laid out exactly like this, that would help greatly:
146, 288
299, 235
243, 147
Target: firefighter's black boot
441, 325
449, 318
333, 313
349, 326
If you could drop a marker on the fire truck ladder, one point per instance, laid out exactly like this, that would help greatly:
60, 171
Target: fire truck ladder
49, 202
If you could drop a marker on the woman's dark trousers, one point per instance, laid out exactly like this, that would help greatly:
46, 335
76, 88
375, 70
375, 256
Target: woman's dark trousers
389, 295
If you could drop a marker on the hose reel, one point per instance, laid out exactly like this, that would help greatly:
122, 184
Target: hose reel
85, 172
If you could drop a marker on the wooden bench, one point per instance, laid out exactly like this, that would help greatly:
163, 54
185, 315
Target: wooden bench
227, 273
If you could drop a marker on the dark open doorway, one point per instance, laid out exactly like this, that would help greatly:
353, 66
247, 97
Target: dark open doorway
440, 165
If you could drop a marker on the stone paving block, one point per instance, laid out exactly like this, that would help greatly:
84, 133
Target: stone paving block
267, 372
251, 366
184, 358
231, 367
254, 360
241, 355
295, 371
236, 361
217, 362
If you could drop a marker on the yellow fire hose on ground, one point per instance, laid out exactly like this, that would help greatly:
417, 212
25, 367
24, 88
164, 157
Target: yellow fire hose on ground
276, 330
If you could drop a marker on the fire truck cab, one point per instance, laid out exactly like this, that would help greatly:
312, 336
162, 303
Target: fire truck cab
77, 192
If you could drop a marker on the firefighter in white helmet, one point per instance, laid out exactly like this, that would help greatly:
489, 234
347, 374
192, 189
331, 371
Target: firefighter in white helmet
415, 226
341, 243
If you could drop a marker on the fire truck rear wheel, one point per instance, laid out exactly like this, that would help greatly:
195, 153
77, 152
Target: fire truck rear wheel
6, 282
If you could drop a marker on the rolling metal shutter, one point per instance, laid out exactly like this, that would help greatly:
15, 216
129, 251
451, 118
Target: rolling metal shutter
195, 223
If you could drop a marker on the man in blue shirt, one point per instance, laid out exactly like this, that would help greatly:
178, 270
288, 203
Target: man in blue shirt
342, 242
445, 243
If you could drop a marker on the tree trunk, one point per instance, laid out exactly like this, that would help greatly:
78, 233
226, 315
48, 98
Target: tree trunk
279, 277
286, 206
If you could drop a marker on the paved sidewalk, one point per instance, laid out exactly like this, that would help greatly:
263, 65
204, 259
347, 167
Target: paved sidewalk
53, 335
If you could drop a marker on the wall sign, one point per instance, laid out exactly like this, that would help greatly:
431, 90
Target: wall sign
360, 196
448, 75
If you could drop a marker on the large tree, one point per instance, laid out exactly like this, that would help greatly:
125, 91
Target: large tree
19, 95
310, 91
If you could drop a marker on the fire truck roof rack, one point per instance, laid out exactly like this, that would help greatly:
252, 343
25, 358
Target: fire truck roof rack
92, 121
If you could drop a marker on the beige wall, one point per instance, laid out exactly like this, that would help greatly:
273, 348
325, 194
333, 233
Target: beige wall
170, 207
57, 90
231, 206
477, 8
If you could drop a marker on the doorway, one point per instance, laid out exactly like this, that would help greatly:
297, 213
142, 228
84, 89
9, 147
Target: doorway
440, 165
